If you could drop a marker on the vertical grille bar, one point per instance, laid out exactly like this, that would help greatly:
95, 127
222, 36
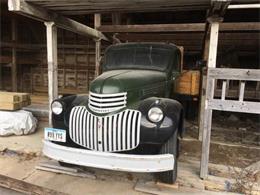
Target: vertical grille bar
87, 134
118, 132
77, 124
85, 128
72, 122
133, 131
114, 129
105, 134
123, 138
109, 126
91, 132
138, 129
129, 129
95, 133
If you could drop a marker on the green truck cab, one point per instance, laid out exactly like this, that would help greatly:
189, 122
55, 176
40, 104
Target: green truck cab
128, 121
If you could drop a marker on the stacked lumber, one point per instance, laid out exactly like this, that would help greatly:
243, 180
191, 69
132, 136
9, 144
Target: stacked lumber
13, 100
188, 83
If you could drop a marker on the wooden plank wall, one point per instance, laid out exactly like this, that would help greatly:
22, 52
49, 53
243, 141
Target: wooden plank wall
76, 67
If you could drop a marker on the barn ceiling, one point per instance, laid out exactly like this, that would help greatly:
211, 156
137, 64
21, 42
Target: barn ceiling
79, 7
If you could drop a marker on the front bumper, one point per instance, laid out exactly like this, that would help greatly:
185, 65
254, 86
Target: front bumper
111, 161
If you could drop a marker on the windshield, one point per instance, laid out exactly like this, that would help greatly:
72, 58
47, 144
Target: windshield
138, 57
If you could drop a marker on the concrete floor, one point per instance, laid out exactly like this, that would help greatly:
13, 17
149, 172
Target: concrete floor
4, 191
20, 155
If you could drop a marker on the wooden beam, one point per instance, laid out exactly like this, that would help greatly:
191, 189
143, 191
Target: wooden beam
22, 60
211, 63
245, 6
1, 80
97, 24
234, 106
195, 27
14, 56
116, 18
41, 14
234, 74
152, 28
52, 59
25, 187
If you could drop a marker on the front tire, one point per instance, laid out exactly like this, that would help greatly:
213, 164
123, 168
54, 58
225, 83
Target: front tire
170, 147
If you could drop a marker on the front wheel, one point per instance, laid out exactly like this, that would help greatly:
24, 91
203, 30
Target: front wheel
170, 147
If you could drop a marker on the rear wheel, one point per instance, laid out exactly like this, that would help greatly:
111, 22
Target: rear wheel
170, 147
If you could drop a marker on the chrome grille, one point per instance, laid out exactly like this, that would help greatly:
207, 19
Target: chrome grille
105, 103
113, 133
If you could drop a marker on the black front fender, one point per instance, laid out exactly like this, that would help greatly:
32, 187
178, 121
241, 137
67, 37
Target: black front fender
68, 103
159, 133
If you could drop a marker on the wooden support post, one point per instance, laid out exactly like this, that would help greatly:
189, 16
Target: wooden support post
224, 89
97, 24
212, 56
203, 82
14, 56
116, 18
51, 35
241, 90
1, 80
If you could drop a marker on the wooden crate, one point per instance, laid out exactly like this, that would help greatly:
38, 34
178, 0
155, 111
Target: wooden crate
188, 83
13, 100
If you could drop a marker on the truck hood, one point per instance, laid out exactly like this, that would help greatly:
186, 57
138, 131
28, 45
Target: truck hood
116, 81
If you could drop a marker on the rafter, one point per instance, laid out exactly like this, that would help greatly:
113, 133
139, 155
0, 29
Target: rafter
44, 15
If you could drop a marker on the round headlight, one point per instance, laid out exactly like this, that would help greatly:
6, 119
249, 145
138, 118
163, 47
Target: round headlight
155, 114
56, 107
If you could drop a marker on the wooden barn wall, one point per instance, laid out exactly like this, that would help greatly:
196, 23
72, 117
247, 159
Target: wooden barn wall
76, 54
76, 57
76, 66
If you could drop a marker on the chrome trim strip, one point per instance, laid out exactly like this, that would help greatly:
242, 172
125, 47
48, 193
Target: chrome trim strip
105, 103
108, 95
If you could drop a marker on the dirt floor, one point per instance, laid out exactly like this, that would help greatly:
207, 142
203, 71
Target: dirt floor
20, 154
235, 139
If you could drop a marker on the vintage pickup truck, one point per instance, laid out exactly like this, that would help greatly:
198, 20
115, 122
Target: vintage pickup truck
128, 121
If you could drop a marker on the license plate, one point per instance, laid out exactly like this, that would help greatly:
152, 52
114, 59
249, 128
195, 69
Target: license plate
52, 134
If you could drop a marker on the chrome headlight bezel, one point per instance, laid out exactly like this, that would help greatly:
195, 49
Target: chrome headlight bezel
155, 114
57, 107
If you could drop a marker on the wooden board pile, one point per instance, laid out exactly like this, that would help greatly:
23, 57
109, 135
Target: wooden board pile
188, 83
13, 100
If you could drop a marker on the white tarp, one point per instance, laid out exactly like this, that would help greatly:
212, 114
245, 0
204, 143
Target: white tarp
17, 122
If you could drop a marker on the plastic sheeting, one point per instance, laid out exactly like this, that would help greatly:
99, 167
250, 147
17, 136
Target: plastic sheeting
17, 123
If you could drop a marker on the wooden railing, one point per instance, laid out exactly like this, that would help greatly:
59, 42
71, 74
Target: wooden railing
224, 104
239, 105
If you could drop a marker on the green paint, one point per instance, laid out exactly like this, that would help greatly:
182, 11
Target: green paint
139, 83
